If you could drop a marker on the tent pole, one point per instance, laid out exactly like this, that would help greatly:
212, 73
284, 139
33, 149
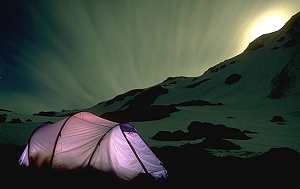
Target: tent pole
136, 155
98, 143
29, 141
56, 140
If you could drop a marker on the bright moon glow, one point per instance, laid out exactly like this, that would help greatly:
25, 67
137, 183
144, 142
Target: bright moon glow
268, 22
267, 25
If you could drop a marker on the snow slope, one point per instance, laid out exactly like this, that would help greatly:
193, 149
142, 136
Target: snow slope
250, 88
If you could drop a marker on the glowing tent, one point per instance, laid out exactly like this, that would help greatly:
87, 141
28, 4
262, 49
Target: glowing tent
86, 140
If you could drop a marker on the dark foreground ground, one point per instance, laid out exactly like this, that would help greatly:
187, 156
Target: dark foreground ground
188, 167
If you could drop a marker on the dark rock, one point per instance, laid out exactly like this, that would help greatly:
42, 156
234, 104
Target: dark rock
198, 130
171, 136
293, 25
281, 84
275, 48
5, 110
66, 113
256, 44
163, 135
284, 83
196, 103
280, 154
212, 69
230, 117
123, 96
48, 114
223, 66
215, 69
140, 108
153, 112
15, 120
197, 83
219, 144
277, 118
232, 79
170, 79
280, 39
179, 134
208, 130
100, 103
290, 43
249, 132
2, 118
146, 98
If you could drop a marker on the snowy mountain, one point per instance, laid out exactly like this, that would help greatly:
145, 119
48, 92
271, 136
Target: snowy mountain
257, 91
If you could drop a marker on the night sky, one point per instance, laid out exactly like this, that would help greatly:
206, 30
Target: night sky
73, 54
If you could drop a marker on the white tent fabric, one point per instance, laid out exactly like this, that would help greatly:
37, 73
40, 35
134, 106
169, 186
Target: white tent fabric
86, 140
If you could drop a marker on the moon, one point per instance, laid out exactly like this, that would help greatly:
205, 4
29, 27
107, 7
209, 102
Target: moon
267, 22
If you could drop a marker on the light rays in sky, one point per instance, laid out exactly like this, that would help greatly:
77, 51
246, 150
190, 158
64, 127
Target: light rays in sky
74, 54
